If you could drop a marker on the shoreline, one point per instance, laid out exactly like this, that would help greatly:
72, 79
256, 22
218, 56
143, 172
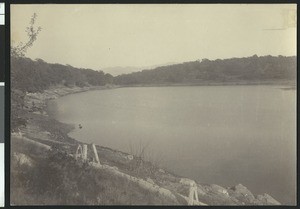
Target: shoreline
111, 156
288, 83
58, 92
51, 111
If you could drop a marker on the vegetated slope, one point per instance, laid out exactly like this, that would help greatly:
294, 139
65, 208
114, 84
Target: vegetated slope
39, 177
235, 70
36, 76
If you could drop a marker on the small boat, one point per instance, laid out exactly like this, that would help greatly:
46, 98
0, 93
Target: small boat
80, 126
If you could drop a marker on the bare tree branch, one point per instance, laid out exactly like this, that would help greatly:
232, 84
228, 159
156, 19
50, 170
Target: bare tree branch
20, 49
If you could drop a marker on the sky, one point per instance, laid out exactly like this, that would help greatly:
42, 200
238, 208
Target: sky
108, 35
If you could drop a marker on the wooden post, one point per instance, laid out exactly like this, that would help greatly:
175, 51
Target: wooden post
193, 196
78, 152
95, 153
196, 193
84, 154
192, 199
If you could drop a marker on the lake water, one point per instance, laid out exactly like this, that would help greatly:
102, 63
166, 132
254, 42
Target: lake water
214, 134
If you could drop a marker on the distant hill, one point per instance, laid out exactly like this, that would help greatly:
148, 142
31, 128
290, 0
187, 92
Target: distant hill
121, 70
36, 76
118, 70
264, 69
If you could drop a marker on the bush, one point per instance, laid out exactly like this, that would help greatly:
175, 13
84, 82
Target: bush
60, 179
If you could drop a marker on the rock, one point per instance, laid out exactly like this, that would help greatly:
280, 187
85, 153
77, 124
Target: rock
161, 170
219, 189
22, 159
129, 157
266, 199
241, 189
186, 181
115, 168
200, 190
242, 194
150, 180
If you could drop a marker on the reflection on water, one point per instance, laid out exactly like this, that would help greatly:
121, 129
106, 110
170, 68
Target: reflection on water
216, 134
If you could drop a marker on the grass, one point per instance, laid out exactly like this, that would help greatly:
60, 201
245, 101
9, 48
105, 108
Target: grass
57, 179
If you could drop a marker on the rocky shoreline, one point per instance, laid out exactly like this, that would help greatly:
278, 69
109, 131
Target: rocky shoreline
43, 128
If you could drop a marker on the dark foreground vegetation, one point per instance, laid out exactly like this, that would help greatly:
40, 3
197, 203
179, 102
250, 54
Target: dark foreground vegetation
53, 178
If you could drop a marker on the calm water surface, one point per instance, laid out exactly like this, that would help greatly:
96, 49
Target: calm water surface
214, 134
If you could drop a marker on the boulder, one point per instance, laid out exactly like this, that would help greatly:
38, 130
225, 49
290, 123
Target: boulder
218, 189
22, 159
266, 199
150, 180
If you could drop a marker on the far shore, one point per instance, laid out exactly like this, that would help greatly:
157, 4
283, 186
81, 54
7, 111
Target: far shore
286, 83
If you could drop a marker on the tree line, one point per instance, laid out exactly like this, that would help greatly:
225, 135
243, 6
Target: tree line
36, 76
248, 69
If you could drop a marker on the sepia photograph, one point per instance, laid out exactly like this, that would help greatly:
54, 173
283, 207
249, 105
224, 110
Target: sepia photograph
153, 104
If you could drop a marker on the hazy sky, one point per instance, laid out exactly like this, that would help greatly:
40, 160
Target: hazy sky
97, 36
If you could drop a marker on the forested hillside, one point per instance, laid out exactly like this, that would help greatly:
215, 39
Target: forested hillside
245, 70
36, 76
